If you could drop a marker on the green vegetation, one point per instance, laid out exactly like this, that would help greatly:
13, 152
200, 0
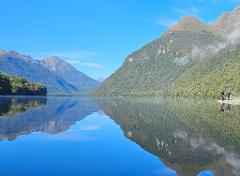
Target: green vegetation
209, 77
10, 85
191, 59
146, 73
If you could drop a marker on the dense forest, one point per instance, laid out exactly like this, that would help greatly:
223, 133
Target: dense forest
10, 85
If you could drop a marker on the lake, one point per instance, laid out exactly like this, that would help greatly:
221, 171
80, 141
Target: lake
65, 136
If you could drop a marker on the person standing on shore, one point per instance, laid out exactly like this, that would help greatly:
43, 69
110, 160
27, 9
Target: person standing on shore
229, 94
222, 95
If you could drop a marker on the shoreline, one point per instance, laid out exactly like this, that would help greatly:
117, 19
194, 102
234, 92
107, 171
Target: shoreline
233, 101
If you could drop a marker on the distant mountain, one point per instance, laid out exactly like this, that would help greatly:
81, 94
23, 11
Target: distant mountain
190, 59
79, 80
58, 76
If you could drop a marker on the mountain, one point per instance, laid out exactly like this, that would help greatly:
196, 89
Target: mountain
189, 23
227, 23
10, 85
66, 71
52, 73
190, 59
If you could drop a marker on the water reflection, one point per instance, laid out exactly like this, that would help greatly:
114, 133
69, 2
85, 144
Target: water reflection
189, 136
13, 105
225, 107
53, 144
206, 173
24, 115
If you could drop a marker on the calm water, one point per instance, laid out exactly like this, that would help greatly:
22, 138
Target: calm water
124, 136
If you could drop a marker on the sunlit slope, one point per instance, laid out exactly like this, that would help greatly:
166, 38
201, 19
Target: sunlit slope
157, 65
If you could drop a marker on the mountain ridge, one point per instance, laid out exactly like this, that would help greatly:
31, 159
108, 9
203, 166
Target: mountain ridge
189, 23
159, 67
71, 74
40, 71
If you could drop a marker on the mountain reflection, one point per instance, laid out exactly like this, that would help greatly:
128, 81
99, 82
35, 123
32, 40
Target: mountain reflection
189, 136
24, 115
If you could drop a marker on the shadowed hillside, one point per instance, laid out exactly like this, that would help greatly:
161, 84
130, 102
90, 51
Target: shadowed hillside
58, 76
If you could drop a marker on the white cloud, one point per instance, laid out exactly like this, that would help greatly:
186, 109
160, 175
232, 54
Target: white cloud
89, 128
68, 54
73, 54
88, 64
103, 78
220, 2
188, 11
93, 65
165, 21
181, 60
168, 22
74, 62
74, 57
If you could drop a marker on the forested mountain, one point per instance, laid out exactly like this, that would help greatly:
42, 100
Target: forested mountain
10, 85
47, 72
190, 59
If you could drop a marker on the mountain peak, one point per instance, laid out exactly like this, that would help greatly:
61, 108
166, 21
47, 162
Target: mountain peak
190, 19
56, 63
53, 58
57, 75
237, 10
189, 23
227, 23
17, 55
2, 52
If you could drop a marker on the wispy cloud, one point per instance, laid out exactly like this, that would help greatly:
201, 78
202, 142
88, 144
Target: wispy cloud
88, 64
180, 12
103, 78
186, 11
73, 54
234, 1
220, 1
89, 128
68, 54
69, 137
74, 57
74, 62
94, 65
165, 21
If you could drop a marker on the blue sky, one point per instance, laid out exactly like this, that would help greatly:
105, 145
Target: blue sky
95, 36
